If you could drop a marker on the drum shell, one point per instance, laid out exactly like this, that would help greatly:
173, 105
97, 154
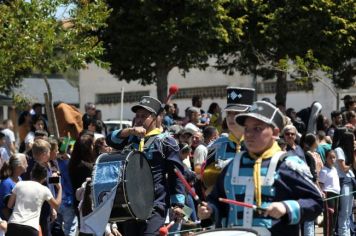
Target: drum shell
135, 192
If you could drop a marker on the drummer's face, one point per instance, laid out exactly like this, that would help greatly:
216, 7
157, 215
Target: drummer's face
144, 118
231, 123
258, 135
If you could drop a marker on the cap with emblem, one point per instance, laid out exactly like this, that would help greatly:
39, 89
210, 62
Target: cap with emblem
263, 111
239, 99
149, 103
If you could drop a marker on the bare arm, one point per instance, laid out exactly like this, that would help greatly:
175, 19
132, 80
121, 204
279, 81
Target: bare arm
56, 202
11, 201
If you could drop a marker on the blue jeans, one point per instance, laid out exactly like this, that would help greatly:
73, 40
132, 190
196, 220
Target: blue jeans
345, 209
66, 214
309, 229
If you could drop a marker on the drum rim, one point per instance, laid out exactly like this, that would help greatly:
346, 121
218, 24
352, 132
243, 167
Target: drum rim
124, 182
250, 230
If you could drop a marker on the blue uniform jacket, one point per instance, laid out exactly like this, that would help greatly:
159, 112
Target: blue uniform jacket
162, 155
291, 186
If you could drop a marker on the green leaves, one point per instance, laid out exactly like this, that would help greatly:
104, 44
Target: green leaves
33, 39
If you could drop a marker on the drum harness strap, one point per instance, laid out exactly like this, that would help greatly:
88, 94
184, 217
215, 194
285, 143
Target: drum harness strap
248, 182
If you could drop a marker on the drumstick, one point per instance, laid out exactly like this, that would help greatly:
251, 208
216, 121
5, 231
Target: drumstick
187, 186
243, 204
163, 231
173, 89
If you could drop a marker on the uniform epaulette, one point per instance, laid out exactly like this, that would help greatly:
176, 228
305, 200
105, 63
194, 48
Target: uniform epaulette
297, 164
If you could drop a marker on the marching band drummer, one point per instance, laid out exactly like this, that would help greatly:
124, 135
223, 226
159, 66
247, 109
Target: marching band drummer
224, 148
266, 177
162, 153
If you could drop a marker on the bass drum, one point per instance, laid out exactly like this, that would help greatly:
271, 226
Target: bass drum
131, 173
229, 232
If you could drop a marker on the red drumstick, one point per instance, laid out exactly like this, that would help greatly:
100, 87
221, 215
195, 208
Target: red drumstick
173, 89
243, 204
163, 231
187, 186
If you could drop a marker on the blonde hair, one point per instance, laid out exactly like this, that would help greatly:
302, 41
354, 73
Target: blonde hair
9, 166
39, 147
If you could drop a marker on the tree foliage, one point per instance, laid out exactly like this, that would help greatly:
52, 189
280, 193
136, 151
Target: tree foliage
145, 39
309, 35
32, 38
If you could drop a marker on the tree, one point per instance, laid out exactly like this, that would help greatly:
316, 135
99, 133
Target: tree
145, 39
298, 37
33, 39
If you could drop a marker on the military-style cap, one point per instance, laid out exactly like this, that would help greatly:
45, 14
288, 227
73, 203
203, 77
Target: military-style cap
263, 111
150, 104
239, 99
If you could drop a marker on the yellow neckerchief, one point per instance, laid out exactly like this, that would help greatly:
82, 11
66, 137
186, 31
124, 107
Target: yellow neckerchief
142, 141
236, 140
257, 169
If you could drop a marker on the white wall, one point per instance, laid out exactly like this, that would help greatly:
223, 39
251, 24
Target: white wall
95, 80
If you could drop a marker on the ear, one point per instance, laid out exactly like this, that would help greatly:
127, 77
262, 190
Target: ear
275, 133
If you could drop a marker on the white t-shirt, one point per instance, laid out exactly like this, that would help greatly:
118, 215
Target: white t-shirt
4, 156
200, 154
330, 180
340, 155
30, 137
30, 196
10, 139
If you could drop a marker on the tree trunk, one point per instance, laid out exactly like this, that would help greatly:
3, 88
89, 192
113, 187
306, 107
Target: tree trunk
162, 82
281, 88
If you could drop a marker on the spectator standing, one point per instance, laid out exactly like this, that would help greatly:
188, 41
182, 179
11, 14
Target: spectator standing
210, 134
343, 144
296, 121
9, 136
38, 124
4, 156
24, 126
10, 175
28, 197
90, 112
329, 183
81, 163
323, 146
216, 119
289, 134
168, 119
336, 122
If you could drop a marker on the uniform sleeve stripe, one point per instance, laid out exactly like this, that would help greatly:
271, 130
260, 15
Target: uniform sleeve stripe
177, 198
114, 137
293, 210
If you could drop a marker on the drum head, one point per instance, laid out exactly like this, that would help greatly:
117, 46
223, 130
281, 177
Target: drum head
229, 232
139, 185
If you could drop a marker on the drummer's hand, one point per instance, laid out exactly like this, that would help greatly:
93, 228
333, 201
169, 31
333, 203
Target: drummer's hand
115, 232
276, 210
204, 211
138, 131
178, 213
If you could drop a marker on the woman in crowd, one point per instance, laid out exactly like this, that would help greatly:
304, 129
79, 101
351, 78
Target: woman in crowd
343, 144
10, 175
82, 161
38, 124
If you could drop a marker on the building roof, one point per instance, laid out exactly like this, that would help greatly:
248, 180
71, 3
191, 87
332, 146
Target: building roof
34, 88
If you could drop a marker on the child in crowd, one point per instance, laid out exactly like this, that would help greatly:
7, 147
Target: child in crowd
329, 183
28, 197
4, 156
